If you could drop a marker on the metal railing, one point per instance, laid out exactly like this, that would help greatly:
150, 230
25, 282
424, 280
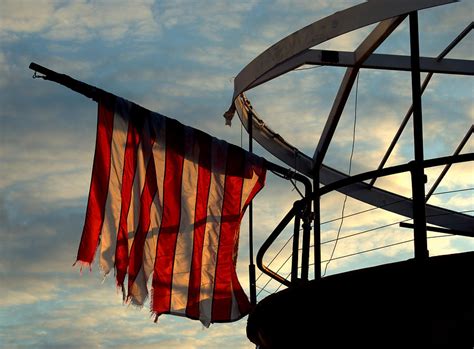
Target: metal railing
300, 212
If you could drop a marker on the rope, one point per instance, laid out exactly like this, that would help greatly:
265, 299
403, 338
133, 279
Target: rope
350, 168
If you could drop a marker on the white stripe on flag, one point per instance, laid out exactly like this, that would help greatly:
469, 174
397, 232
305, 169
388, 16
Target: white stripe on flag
114, 196
213, 227
185, 240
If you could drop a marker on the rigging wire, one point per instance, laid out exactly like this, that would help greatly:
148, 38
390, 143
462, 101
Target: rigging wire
389, 204
286, 278
361, 252
360, 233
361, 212
342, 214
385, 246
453, 191
365, 231
296, 188
263, 289
350, 168
330, 221
358, 253
291, 179
388, 225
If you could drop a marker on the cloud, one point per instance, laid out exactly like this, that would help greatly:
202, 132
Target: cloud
193, 84
439, 26
26, 290
25, 16
50, 159
4, 70
230, 57
287, 18
60, 20
37, 239
109, 22
81, 315
209, 19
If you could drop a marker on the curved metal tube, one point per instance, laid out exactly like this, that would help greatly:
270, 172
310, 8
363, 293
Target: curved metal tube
323, 30
374, 196
297, 206
289, 47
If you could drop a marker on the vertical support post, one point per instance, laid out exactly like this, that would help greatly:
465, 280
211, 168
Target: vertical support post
253, 287
306, 242
418, 175
296, 247
317, 226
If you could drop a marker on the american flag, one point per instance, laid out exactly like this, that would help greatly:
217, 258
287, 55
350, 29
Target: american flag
166, 202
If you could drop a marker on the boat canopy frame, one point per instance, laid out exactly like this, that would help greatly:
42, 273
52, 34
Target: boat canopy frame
295, 51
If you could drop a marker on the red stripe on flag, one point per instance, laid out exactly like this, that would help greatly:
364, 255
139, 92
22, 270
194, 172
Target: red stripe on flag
256, 165
129, 166
222, 296
166, 246
99, 182
136, 252
136, 120
204, 142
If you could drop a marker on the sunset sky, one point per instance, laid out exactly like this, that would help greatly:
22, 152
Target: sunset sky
179, 58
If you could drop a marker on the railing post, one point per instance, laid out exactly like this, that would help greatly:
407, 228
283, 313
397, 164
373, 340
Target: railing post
252, 277
306, 241
417, 171
317, 225
306, 217
296, 246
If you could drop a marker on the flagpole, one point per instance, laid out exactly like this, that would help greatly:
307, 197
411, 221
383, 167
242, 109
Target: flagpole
253, 286
84, 89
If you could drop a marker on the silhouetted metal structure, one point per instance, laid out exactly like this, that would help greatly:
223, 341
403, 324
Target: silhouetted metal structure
299, 315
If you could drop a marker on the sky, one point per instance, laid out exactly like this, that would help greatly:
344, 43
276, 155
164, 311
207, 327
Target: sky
179, 58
